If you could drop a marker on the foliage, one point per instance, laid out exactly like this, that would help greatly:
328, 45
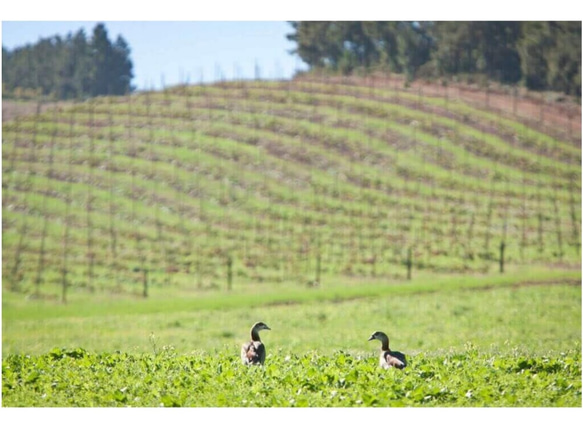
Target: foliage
551, 56
544, 55
70, 67
76, 377
348, 45
467, 345
482, 47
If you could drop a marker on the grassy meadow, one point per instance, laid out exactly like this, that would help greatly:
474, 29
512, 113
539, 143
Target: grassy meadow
472, 342
144, 235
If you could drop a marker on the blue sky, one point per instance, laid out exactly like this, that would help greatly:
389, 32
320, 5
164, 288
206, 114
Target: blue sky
173, 52
176, 42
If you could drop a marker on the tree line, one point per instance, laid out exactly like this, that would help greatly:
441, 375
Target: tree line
540, 55
75, 66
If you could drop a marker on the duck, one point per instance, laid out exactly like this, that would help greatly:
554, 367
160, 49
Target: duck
388, 358
253, 352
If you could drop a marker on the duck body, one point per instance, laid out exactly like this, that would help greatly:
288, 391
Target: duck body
253, 352
388, 358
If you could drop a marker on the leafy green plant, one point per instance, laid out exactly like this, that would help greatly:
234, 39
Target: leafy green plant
78, 378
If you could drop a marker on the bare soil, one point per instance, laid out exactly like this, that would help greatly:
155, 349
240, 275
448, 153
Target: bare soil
536, 109
540, 110
12, 109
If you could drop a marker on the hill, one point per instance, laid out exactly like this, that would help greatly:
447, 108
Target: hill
310, 180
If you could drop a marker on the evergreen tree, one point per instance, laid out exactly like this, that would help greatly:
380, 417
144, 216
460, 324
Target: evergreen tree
385, 37
550, 55
496, 41
543, 55
484, 47
415, 42
121, 67
101, 55
73, 67
347, 45
564, 60
318, 43
78, 66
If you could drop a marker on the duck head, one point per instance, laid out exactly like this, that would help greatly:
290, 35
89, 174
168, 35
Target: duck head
382, 337
378, 335
260, 326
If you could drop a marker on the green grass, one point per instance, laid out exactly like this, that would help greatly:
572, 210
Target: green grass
168, 299
502, 342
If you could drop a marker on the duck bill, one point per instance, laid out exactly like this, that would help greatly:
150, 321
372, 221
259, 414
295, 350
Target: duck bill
371, 338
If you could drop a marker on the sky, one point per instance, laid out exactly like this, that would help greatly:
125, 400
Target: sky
166, 53
175, 42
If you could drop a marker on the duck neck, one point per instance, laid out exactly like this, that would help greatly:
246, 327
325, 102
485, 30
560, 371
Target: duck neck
385, 344
255, 335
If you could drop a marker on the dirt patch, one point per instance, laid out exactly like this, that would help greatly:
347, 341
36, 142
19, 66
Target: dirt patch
12, 109
550, 113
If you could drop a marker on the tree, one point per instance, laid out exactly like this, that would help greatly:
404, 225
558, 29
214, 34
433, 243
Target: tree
497, 44
358, 47
121, 67
550, 56
70, 67
533, 46
347, 45
79, 63
484, 47
415, 44
318, 43
385, 35
564, 60
101, 53
543, 55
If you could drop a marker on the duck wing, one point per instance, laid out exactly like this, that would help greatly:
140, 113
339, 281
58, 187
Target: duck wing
396, 359
253, 353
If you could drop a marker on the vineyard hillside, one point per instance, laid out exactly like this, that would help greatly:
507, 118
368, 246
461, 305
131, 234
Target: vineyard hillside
238, 183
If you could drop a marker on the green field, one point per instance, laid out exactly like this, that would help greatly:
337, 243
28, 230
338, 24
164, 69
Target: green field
472, 342
142, 236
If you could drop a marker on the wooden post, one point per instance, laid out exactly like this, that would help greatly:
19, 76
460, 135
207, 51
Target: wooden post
574, 222
502, 246
145, 282
318, 267
198, 269
540, 233
229, 272
409, 262
558, 228
64, 284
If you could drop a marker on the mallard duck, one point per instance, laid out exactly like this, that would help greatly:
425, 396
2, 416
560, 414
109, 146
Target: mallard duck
387, 357
253, 352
